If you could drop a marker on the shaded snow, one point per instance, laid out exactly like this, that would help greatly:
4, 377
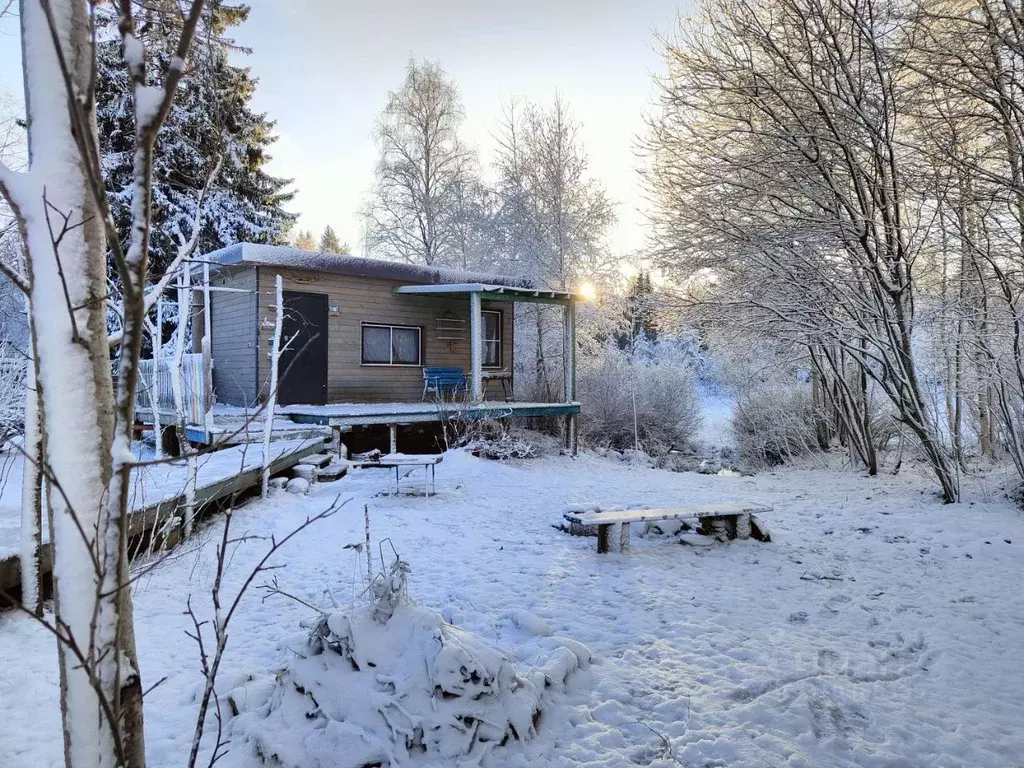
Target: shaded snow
716, 428
879, 628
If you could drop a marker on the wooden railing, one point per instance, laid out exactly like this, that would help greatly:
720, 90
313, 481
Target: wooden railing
197, 389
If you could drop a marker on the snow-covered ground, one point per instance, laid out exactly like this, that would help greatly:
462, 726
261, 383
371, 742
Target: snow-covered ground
879, 628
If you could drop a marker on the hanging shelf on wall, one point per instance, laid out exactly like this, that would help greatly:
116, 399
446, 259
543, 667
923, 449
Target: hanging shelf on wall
450, 328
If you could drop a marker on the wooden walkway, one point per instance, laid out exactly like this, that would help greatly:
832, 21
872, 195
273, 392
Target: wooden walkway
367, 414
158, 492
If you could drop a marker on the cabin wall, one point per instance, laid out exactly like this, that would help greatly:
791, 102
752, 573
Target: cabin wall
233, 338
370, 300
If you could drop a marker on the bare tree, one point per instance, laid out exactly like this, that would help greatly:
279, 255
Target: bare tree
970, 91
552, 217
424, 170
778, 169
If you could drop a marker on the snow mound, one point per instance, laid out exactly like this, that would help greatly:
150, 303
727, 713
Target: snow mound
364, 692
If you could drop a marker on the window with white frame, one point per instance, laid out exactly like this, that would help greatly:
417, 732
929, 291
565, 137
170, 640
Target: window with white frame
391, 344
492, 338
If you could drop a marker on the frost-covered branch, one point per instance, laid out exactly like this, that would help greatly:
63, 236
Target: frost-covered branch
184, 253
223, 612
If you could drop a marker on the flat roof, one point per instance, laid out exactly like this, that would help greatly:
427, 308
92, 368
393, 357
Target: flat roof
489, 291
254, 254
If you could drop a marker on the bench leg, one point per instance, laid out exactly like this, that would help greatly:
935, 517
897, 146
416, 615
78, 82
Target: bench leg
715, 526
624, 538
742, 526
393, 438
604, 535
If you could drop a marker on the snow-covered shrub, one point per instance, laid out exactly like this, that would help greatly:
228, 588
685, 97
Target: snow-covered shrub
382, 683
774, 423
641, 395
493, 439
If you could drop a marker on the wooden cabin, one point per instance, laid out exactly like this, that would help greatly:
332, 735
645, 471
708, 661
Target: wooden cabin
363, 331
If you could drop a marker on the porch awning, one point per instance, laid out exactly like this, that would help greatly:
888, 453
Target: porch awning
490, 292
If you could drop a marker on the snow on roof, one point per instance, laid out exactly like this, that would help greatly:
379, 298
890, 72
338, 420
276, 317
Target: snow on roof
515, 291
359, 266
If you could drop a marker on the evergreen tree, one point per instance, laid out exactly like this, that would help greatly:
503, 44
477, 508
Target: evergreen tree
329, 242
640, 313
210, 119
305, 241
639, 324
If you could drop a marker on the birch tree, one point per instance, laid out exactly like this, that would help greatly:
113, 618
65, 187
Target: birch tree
778, 166
66, 223
552, 220
424, 171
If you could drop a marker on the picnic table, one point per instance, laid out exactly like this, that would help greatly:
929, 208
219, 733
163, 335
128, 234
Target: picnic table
729, 520
397, 461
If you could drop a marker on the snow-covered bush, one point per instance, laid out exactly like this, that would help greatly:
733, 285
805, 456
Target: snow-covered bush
773, 423
493, 439
641, 395
387, 681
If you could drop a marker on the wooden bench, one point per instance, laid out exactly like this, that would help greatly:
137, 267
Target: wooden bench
730, 520
398, 460
441, 380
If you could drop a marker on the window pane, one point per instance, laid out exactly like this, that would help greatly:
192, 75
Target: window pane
376, 344
406, 345
492, 326
492, 352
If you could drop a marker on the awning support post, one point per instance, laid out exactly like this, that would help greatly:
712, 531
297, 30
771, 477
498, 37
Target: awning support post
569, 350
476, 344
569, 371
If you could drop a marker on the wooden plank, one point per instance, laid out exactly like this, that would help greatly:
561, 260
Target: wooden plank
150, 518
726, 509
420, 415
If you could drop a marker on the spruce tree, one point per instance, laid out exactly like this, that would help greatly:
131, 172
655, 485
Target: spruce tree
211, 118
640, 313
329, 242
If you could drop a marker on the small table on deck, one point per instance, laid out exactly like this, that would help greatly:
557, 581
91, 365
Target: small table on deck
505, 377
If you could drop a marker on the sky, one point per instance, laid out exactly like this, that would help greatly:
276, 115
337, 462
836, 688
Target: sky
325, 68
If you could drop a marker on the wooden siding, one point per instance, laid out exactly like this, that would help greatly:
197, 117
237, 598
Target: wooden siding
370, 300
233, 337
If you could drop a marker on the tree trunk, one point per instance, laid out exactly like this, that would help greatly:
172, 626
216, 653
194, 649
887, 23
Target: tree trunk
32, 487
101, 703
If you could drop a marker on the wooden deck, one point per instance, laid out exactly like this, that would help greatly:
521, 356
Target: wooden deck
158, 492
370, 414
